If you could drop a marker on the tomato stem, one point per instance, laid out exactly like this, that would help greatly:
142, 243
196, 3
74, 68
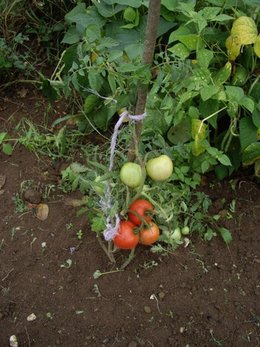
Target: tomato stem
156, 204
129, 259
107, 250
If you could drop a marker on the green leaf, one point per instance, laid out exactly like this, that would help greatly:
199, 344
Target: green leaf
2, 136
247, 132
98, 224
92, 32
251, 154
90, 103
171, 5
95, 80
129, 14
222, 18
245, 30
134, 3
204, 57
248, 103
49, 91
235, 93
180, 133
257, 46
223, 74
71, 36
226, 235
106, 10
180, 50
209, 13
256, 115
224, 160
207, 92
7, 148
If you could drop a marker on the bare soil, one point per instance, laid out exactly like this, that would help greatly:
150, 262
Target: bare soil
207, 294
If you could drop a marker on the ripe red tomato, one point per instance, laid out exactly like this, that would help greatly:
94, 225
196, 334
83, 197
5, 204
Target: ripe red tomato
150, 234
125, 237
140, 208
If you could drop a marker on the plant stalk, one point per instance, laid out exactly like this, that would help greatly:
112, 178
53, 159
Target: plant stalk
149, 46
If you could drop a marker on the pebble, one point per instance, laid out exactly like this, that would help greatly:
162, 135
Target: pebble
32, 196
31, 317
147, 309
13, 341
161, 295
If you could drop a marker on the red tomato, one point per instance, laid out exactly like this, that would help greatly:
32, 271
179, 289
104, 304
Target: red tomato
150, 234
138, 211
125, 237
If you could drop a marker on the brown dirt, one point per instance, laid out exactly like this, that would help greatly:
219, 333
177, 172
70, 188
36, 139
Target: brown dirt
207, 294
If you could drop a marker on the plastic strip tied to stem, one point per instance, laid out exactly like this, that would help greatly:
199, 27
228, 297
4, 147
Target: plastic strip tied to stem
112, 223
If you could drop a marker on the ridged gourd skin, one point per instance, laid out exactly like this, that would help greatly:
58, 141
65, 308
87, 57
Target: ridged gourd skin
159, 168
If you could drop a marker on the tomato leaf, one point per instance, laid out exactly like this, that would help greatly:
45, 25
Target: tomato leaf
226, 235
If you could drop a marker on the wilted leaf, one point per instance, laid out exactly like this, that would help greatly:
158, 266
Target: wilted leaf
198, 132
257, 168
245, 30
2, 180
233, 47
75, 202
42, 211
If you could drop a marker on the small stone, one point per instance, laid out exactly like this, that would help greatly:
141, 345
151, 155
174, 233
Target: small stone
132, 344
147, 309
182, 329
161, 295
13, 341
31, 317
32, 196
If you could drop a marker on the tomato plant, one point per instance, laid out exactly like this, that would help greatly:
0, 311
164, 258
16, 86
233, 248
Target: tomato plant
150, 234
160, 168
138, 211
125, 237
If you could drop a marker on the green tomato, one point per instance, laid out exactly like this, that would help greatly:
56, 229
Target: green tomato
100, 187
185, 230
176, 235
131, 175
160, 168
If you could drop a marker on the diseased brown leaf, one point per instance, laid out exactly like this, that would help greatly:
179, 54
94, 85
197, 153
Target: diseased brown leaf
42, 211
2, 180
75, 202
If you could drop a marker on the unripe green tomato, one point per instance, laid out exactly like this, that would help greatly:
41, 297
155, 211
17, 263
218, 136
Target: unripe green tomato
160, 168
100, 187
185, 230
176, 235
131, 175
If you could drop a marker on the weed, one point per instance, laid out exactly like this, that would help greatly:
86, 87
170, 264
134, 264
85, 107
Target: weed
20, 206
67, 264
79, 234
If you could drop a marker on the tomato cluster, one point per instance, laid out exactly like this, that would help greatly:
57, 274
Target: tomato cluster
158, 169
139, 228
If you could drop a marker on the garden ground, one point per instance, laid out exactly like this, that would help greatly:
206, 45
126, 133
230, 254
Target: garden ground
207, 294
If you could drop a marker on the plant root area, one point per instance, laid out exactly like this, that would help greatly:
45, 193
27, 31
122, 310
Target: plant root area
207, 294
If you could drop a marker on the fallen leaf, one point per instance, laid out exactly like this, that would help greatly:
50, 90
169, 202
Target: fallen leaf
75, 202
42, 211
2, 180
